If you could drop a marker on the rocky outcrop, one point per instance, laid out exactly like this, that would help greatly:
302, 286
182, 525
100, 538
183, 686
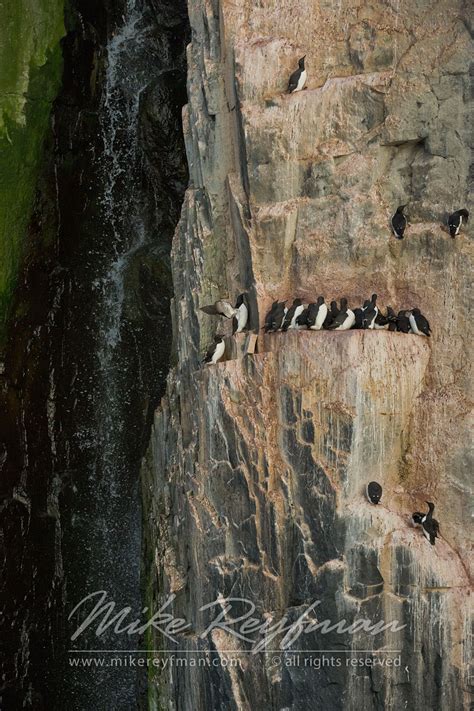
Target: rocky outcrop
255, 476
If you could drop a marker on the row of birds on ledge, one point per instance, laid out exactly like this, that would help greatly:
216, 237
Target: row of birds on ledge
428, 524
399, 221
315, 316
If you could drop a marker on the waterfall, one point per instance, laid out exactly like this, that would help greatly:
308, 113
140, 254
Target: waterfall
106, 521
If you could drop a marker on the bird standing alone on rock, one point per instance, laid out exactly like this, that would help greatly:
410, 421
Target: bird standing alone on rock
216, 351
455, 221
429, 524
242, 314
399, 222
298, 78
374, 492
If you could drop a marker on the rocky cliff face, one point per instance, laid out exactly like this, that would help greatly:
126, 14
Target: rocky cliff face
255, 477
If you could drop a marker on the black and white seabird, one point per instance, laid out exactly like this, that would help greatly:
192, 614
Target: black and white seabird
374, 492
298, 78
302, 319
292, 314
456, 220
418, 323
344, 319
216, 351
269, 318
358, 318
242, 314
317, 314
370, 310
403, 322
399, 222
430, 525
220, 308
392, 319
381, 321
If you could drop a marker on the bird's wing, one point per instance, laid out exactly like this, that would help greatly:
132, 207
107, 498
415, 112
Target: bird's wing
293, 82
211, 309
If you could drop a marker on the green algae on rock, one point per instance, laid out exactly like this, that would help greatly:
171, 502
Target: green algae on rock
31, 63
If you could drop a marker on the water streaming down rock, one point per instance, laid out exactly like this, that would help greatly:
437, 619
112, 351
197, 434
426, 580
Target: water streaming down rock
90, 345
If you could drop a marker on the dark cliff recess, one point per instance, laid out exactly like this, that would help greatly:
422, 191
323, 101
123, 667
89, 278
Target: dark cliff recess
89, 346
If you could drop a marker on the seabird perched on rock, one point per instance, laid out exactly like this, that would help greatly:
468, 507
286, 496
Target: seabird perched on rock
220, 308
392, 319
358, 316
302, 320
277, 313
216, 351
430, 525
456, 220
399, 222
317, 314
370, 312
344, 320
242, 314
298, 78
269, 318
418, 323
292, 314
374, 492
403, 322
381, 321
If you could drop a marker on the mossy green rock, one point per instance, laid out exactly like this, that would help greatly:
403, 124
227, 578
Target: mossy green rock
30, 61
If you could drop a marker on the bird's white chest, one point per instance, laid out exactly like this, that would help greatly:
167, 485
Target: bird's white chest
218, 353
320, 318
348, 321
301, 81
413, 325
242, 316
299, 310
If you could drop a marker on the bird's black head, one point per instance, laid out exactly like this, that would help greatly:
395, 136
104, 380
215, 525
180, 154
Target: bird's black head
374, 299
400, 209
301, 62
218, 338
390, 312
430, 506
320, 300
297, 302
343, 303
416, 312
417, 517
465, 214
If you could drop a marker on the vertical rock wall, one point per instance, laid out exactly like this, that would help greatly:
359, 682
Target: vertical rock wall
256, 471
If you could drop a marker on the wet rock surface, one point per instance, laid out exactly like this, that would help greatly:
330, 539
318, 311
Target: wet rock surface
254, 482
84, 368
